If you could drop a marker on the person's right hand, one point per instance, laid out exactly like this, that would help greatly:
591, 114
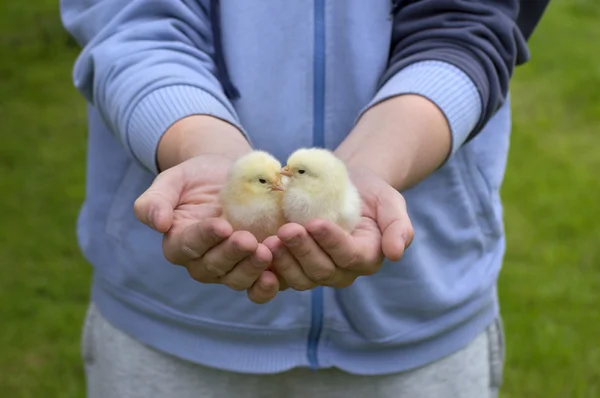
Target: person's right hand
183, 204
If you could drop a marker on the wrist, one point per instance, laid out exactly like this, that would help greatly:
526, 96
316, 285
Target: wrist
199, 135
402, 140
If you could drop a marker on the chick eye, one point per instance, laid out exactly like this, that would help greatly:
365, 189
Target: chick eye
301, 171
262, 180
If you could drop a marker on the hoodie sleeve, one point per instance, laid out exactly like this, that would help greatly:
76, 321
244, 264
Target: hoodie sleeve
459, 54
144, 65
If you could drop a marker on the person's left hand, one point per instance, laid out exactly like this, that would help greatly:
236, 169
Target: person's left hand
322, 253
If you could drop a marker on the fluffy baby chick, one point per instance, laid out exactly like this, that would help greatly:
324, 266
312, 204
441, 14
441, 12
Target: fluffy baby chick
319, 187
252, 195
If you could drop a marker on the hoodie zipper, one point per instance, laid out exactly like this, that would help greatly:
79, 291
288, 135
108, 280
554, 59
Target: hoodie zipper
318, 141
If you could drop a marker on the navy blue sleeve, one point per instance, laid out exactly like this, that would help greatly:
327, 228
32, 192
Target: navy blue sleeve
486, 39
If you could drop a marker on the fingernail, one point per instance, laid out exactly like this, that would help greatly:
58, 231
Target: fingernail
277, 253
319, 233
151, 217
293, 242
264, 287
405, 239
257, 263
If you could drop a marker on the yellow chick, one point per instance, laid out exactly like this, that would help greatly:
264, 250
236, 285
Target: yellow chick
252, 195
319, 186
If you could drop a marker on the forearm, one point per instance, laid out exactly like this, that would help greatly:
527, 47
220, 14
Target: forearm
402, 139
196, 135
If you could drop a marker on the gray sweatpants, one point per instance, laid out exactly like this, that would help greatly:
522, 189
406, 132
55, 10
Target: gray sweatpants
117, 366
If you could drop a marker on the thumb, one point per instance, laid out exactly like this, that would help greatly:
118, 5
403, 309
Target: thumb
155, 206
394, 223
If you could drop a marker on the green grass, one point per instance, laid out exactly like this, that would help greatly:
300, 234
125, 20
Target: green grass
550, 286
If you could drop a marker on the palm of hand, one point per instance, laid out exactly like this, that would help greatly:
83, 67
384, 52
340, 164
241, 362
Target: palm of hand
322, 253
368, 233
384, 215
203, 178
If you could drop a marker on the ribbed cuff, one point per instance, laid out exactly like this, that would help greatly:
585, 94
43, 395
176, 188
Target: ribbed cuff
155, 113
446, 86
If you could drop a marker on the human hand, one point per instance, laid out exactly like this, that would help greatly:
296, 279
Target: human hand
322, 253
183, 204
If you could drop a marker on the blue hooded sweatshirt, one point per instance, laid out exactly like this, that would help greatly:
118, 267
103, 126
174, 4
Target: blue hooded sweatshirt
293, 74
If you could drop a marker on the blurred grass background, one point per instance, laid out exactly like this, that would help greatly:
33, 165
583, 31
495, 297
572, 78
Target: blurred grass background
549, 288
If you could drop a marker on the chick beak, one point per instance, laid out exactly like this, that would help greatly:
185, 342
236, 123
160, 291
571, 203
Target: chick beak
286, 171
277, 185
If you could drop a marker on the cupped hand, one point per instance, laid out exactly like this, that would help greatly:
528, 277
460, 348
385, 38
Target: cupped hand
183, 204
322, 253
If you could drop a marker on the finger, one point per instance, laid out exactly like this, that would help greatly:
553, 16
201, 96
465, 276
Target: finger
283, 286
282, 283
191, 243
247, 271
336, 242
317, 265
221, 259
286, 267
155, 206
396, 239
360, 254
264, 289
394, 223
